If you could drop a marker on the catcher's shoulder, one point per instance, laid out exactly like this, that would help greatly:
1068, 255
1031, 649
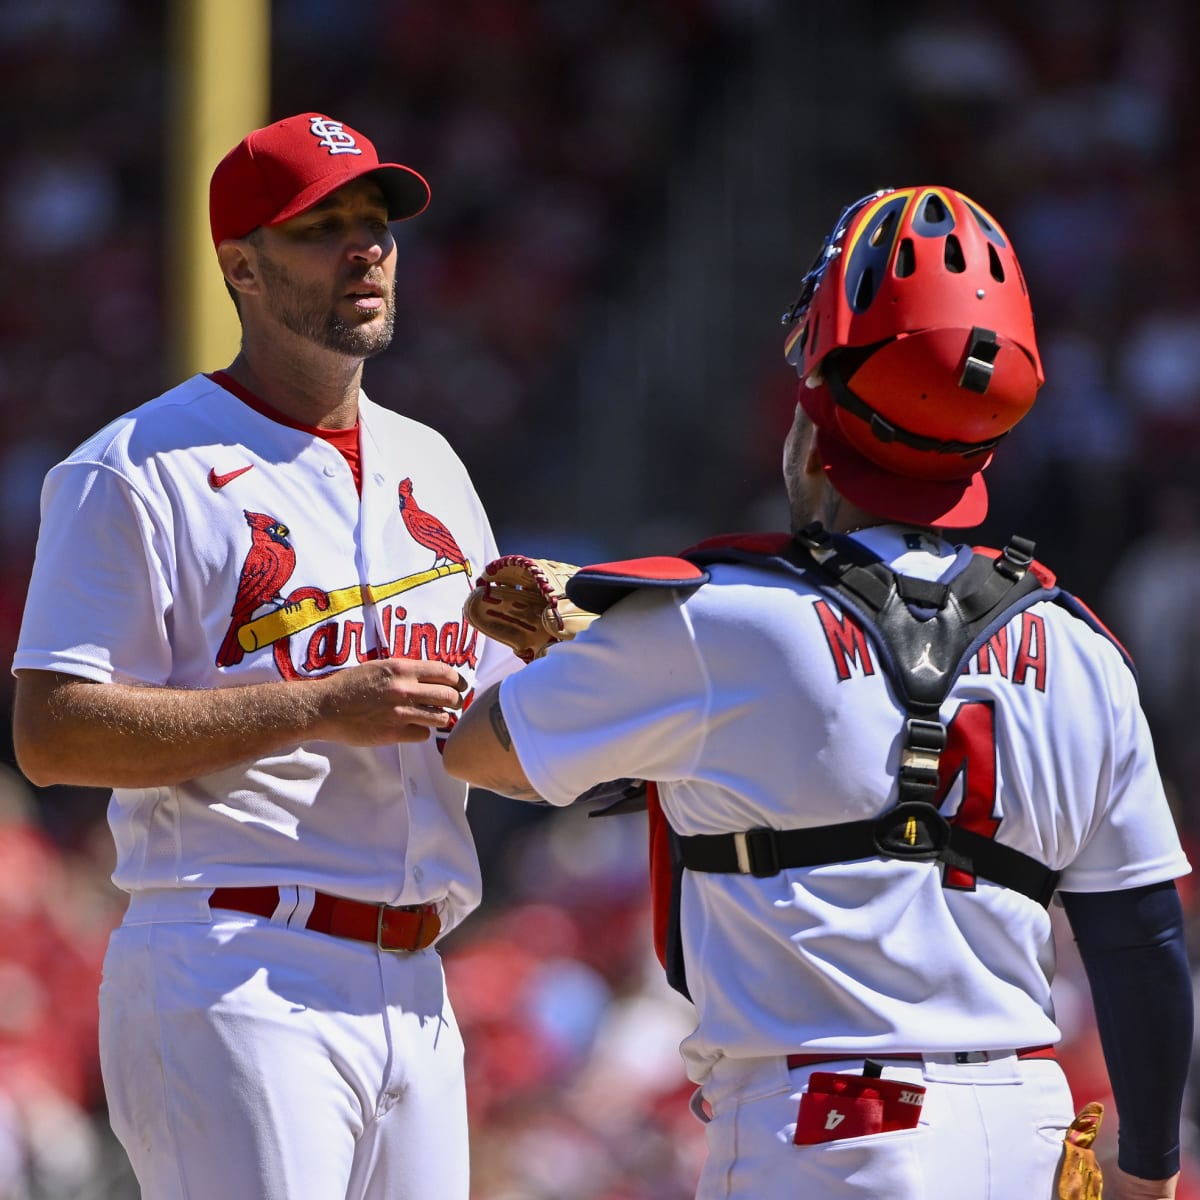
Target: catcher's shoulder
599, 586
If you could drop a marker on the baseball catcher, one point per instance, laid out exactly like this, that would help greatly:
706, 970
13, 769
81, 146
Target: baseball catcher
878, 754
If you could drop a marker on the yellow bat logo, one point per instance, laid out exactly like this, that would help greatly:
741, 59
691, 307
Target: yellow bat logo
292, 618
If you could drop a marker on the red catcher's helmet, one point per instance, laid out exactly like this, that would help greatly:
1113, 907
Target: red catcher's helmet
913, 334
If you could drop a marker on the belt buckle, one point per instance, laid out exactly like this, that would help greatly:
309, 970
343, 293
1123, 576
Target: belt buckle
418, 941
962, 1057
384, 908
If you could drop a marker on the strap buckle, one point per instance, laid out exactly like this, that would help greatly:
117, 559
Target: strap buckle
1015, 559
913, 830
923, 744
980, 361
757, 853
818, 541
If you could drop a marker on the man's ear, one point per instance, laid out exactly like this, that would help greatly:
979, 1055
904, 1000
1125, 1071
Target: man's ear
239, 265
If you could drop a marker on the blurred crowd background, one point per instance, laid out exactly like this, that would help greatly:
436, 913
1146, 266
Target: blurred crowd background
626, 194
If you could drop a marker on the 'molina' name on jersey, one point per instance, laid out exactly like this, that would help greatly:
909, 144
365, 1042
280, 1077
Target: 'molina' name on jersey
1020, 659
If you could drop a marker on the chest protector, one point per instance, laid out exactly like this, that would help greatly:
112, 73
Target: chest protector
925, 634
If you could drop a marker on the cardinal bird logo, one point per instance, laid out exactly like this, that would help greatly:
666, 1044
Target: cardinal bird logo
427, 529
268, 566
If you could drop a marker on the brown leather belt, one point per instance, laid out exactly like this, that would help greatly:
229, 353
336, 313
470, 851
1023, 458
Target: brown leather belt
962, 1056
405, 928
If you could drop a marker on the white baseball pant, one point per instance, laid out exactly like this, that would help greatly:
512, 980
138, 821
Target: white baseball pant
987, 1129
241, 1057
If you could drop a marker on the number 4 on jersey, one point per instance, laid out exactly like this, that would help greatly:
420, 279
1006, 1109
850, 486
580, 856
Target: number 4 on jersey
970, 752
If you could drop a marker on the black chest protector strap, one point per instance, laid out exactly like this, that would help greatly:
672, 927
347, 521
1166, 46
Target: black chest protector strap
925, 632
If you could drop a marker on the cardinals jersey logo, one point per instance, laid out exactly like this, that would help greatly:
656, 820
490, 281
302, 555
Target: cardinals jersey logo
268, 566
427, 530
310, 630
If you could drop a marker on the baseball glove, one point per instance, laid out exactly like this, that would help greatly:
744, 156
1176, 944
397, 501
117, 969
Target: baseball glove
522, 602
1078, 1171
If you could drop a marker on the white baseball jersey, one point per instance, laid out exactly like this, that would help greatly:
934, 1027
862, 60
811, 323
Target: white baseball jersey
197, 543
754, 704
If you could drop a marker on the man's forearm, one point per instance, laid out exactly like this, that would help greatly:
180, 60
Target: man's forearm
1133, 948
116, 735
69, 731
480, 750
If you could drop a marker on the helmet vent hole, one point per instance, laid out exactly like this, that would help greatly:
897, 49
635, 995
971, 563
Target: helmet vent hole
934, 210
865, 292
997, 267
812, 333
906, 262
882, 233
953, 256
983, 222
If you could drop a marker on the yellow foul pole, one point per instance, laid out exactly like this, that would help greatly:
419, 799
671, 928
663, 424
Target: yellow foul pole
220, 73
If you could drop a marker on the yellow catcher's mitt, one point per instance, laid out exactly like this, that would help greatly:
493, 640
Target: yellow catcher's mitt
1078, 1171
522, 602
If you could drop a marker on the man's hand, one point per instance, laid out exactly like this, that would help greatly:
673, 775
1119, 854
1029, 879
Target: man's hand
1120, 1186
389, 700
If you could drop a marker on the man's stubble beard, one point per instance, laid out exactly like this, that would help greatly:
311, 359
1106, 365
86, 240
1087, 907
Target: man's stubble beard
308, 313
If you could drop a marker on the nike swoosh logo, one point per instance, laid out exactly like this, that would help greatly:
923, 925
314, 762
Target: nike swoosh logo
216, 482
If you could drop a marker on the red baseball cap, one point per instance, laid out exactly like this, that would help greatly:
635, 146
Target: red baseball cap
954, 503
281, 170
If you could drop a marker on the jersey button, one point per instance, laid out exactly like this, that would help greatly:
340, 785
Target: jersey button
330, 470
